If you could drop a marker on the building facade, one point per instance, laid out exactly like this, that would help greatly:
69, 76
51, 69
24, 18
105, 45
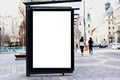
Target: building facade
109, 21
105, 29
117, 22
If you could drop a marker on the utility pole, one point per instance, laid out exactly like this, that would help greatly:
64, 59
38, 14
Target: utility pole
84, 21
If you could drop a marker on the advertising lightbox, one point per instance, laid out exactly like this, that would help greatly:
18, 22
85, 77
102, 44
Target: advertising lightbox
50, 40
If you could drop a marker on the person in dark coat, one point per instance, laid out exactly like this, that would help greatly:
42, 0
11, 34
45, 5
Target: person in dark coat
90, 42
81, 43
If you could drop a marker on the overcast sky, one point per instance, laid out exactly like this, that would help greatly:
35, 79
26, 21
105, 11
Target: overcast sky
96, 8
9, 7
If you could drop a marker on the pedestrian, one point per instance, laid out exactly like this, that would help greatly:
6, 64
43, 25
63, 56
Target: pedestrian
81, 43
90, 42
104, 41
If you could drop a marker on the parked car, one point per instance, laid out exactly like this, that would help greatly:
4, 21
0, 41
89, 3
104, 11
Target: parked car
103, 45
116, 46
95, 45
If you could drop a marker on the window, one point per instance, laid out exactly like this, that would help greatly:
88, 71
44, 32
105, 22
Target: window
109, 27
88, 25
88, 31
113, 27
109, 32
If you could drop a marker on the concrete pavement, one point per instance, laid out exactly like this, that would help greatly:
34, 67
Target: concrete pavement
87, 67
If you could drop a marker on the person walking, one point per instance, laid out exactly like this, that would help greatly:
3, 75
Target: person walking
90, 42
81, 43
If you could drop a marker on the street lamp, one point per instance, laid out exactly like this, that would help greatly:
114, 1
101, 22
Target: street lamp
84, 22
86, 48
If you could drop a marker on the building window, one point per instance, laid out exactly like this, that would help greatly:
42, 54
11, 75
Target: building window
111, 17
89, 31
88, 25
113, 27
118, 40
109, 27
109, 22
109, 32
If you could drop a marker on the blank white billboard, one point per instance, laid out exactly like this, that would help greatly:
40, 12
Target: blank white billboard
51, 39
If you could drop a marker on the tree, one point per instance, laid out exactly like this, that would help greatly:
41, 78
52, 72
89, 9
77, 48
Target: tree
22, 27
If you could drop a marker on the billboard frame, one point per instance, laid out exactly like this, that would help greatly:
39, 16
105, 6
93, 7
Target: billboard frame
29, 42
50, 2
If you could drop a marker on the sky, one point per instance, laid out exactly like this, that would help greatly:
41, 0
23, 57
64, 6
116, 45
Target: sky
9, 7
96, 8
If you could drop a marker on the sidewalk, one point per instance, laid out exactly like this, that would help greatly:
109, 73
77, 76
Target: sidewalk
87, 67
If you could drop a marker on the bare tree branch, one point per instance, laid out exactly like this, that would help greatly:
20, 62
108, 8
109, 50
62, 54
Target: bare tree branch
22, 12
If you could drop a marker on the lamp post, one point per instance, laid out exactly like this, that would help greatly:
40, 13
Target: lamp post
84, 21
86, 47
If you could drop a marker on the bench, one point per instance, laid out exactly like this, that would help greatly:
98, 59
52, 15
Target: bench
20, 56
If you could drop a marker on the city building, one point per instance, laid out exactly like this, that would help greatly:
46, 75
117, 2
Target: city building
109, 20
117, 22
105, 28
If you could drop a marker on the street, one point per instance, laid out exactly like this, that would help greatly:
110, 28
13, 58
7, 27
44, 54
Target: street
103, 65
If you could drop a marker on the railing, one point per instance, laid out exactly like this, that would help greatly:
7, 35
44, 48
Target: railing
10, 50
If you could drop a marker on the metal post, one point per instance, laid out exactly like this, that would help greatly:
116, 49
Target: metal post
27, 25
84, 22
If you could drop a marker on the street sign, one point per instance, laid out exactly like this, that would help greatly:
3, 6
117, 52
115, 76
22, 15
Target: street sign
50, 40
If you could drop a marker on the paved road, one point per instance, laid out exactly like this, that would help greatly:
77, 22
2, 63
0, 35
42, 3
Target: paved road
103, 65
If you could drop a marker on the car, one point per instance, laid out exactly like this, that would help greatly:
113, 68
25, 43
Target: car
103, 45
95, 45
116, 46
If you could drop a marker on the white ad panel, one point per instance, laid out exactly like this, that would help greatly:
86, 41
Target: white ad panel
51, 39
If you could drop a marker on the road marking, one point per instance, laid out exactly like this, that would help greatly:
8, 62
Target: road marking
63, 78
